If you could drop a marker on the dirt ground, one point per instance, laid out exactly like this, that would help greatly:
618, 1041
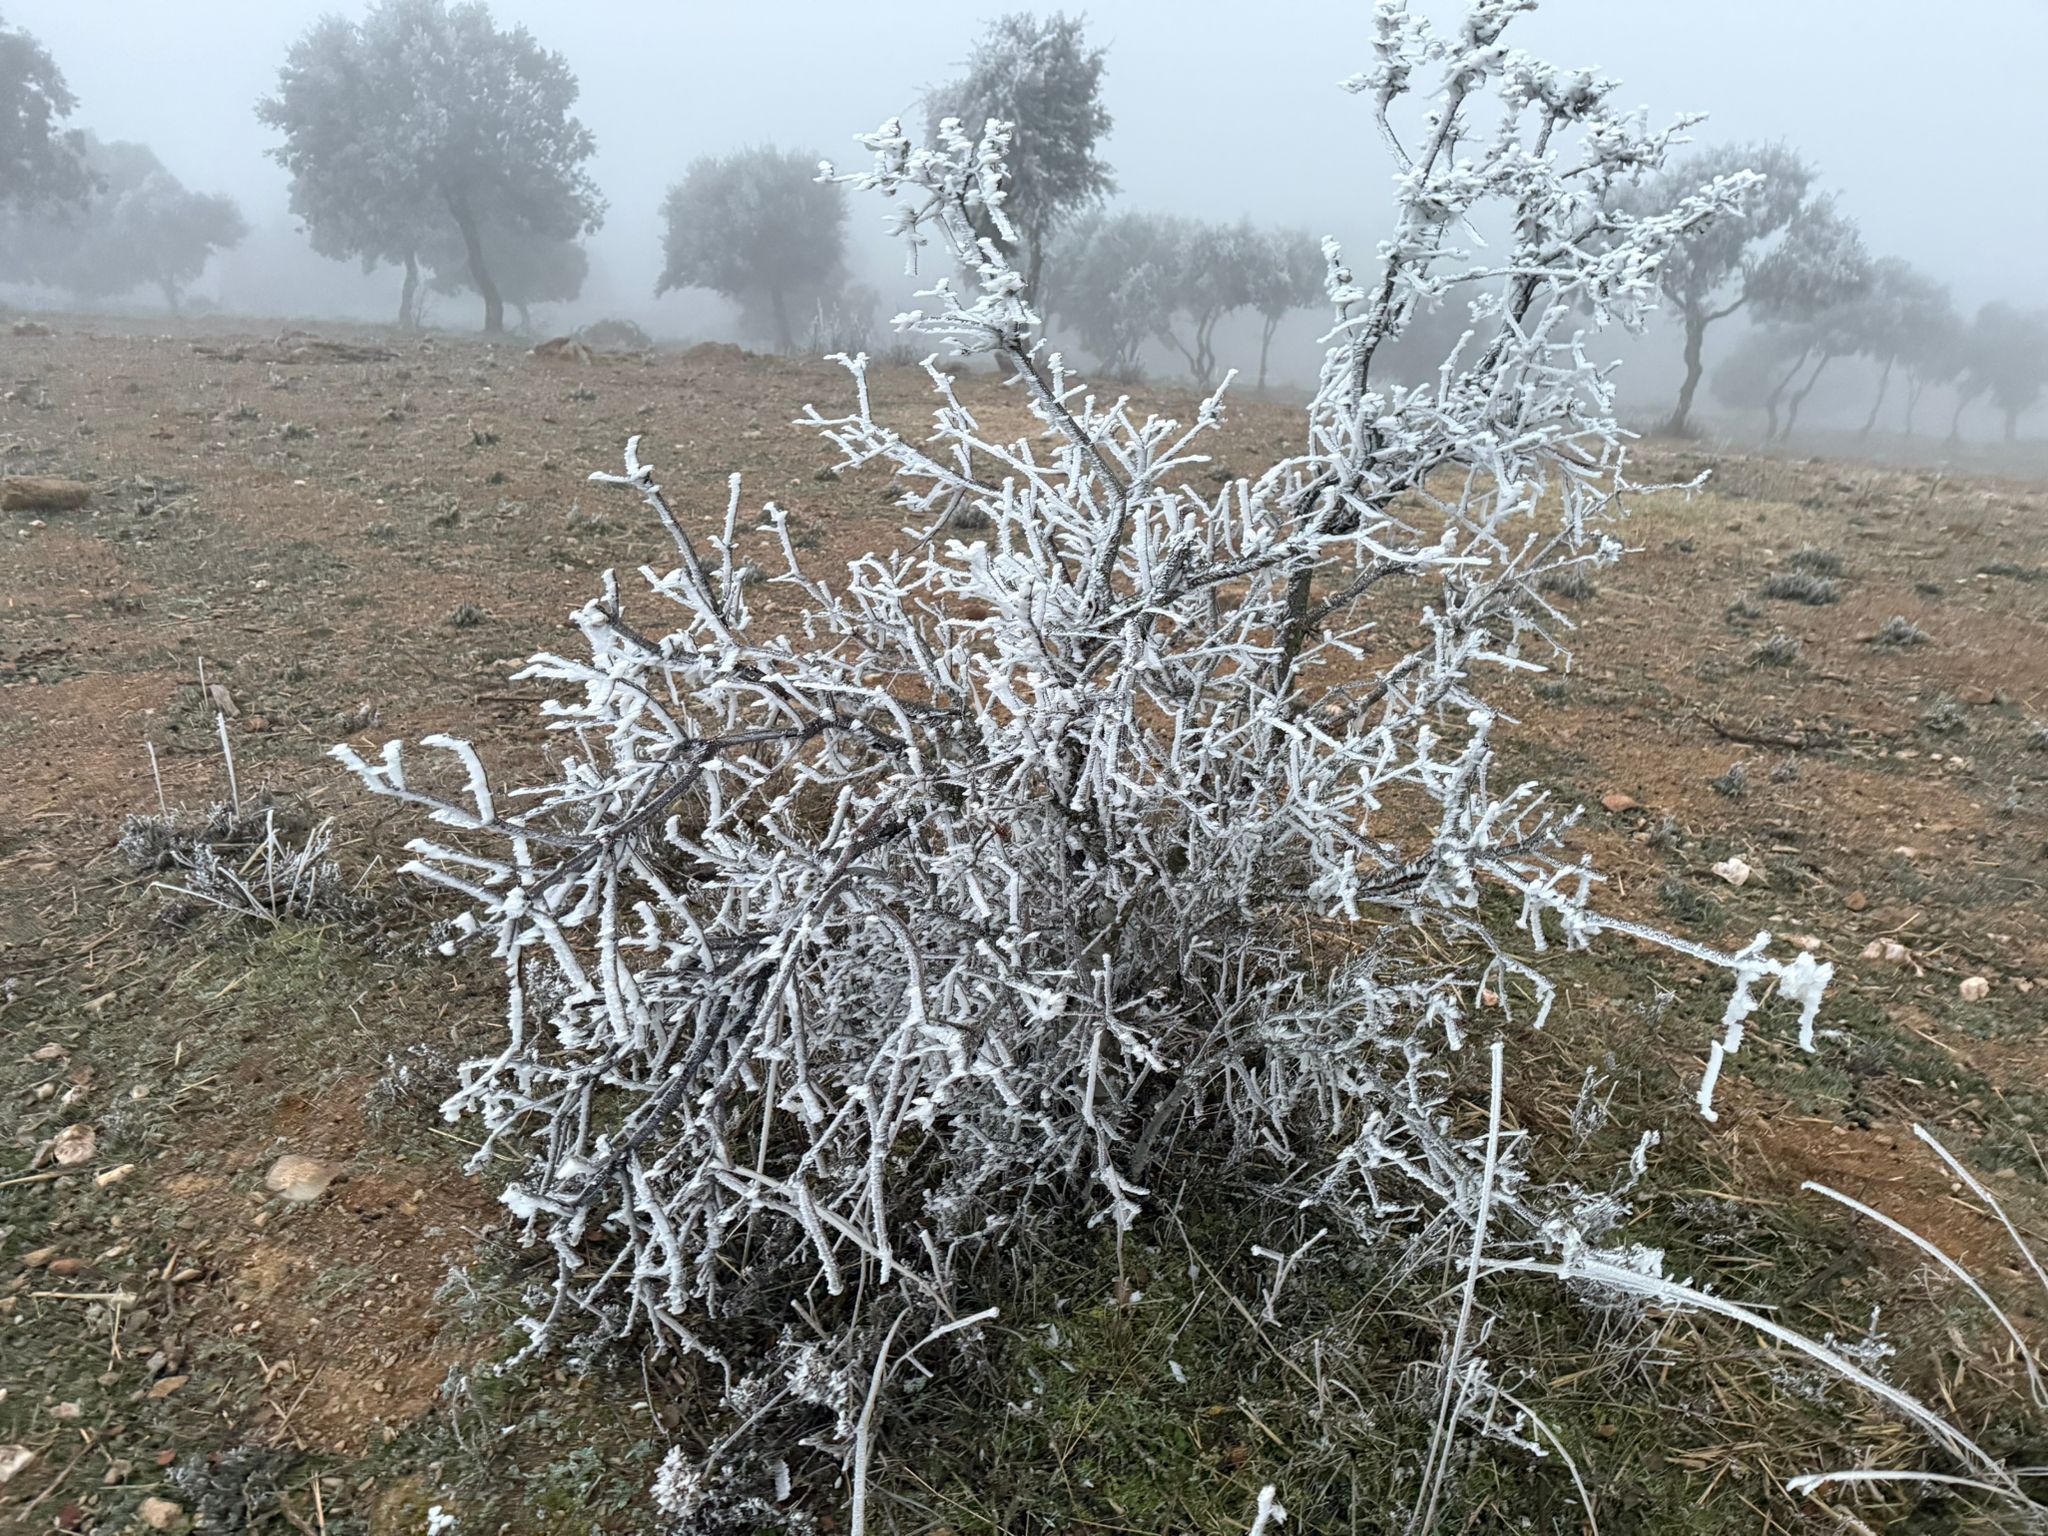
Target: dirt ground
362, 544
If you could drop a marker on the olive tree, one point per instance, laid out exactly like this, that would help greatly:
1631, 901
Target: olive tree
427, 115
42, 164
760, 228
1041, 76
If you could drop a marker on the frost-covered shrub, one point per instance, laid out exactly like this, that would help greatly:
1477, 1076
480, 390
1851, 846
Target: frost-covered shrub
1816, 561
845, 949
1802, 587
1781, 650
1899, 633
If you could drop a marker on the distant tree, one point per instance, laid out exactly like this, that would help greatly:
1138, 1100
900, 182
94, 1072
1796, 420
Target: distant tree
1216, 264
1285, 272
42, 165
527, 271
139, 227
1040, 75
1714, 272
1931, 349
425, 114
2007, 352
1903, 317
1813, 283
1121, 284
759, 227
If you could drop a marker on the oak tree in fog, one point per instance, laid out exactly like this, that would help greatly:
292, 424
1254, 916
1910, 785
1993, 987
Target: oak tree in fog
1285, 274
139, 227
1813, 285
1216, 266
41, 163
427, 115
1906, 321
527, 271
760, 228
1040, 76
2007, 360
1120, 285
1714, 272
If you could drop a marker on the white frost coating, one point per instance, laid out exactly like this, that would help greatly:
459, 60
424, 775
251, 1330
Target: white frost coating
845, 949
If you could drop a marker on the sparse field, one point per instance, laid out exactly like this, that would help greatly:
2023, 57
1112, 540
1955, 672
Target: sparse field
367, 549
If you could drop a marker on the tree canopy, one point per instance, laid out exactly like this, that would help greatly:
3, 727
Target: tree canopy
139, 226
527, 271
42, 164
426, 117
1040, 75
760, 228
1723, 266
2007, 351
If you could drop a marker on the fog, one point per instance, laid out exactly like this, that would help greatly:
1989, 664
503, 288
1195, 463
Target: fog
1928, 123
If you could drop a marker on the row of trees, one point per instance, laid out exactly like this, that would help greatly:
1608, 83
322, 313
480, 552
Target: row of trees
1799, 270
428, 138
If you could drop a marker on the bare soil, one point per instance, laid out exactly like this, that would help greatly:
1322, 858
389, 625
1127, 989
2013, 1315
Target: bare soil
363, 544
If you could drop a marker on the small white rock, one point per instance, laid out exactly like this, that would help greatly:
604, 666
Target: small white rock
160, 1514
1735, 871
1974, 989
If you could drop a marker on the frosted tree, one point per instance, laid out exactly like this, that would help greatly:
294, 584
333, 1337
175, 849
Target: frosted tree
1040, 76
849, 947
757, 227
42, 163
1724, 266
424, 116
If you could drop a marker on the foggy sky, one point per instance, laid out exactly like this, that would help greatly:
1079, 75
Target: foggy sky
1928, 120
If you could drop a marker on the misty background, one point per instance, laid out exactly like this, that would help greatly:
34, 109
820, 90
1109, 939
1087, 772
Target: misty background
1930, 135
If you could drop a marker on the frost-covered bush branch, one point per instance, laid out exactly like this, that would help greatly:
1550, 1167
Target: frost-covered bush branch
839, 950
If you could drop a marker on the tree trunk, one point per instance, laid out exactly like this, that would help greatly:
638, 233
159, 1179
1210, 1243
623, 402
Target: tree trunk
1792, 410
1955, 423
1034, 272
408, 295
1883, 384
1266, 346
784, 340
1680, 424
525, 316
170, 290
1777, 394
1914, 385
479, 273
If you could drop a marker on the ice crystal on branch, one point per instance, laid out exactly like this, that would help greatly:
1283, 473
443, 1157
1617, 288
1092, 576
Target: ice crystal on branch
834, 955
